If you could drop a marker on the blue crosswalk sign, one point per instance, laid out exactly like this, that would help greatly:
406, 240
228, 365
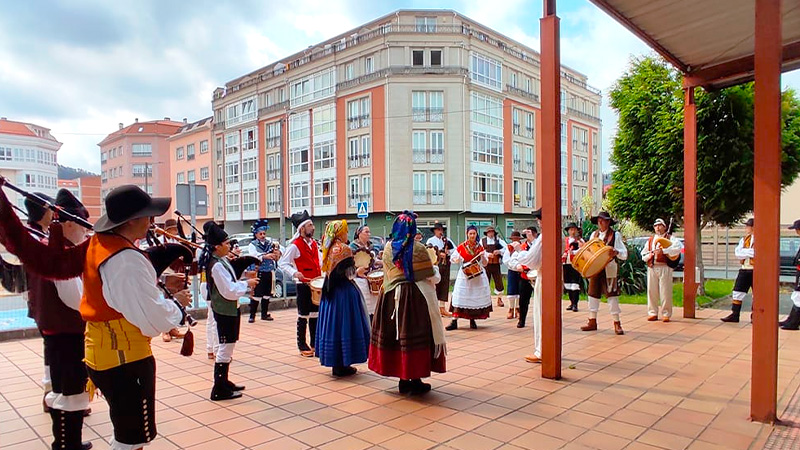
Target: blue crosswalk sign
362, 210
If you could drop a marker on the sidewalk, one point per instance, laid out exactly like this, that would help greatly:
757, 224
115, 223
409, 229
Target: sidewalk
681, 385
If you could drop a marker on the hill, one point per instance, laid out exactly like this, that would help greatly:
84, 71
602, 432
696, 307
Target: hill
70, 173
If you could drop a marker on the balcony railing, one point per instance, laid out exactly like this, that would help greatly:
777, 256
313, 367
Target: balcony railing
354, 199
522, 93
433, 156
528, 167
273, 206
428, 197
362, 79
273, 107
517, 164
354, 123
357, 161
142, 174
273, 174
529, 132
582, 114
434, 114
273, 142
516, 128
190, 157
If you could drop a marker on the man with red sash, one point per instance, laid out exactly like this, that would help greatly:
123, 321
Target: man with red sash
606, 283
572, 279
302, 262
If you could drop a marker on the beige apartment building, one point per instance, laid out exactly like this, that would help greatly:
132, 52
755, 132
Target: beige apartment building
423, 110
191, 162
28, 159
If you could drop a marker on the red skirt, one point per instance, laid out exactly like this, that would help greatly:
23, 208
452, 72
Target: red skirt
411, 355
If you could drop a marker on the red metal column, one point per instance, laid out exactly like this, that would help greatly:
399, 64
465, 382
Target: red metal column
550, 195
767, 191
689, 202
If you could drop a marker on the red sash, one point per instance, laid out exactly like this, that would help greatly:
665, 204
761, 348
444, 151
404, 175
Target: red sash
466, 255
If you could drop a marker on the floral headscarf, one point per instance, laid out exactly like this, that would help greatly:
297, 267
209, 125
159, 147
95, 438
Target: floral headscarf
336, 230
403, 231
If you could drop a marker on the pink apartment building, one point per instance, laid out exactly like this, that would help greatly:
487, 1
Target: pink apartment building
138, 154
190, 161
87, 190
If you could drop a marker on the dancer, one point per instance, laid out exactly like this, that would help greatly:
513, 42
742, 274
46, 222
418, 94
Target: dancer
268, 252
605, 282
495, 249
531, 260
471, 296
445, 247
513, 277
659, 273
572, 279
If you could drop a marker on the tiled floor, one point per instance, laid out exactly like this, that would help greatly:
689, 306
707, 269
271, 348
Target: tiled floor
681, 385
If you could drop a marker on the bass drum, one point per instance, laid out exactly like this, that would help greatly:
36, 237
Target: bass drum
592, 258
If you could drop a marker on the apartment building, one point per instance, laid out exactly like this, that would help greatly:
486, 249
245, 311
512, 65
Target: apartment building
189, 149
424, 110
87, 190
138, 154
28, 158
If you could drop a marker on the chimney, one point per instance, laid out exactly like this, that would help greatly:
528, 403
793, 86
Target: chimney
185, 120
136, 120
120, 125
166, 118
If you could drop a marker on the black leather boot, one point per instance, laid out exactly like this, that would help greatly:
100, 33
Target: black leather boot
253, 308
312, 330
302, 325
733, 317
221, 389
67, 430
793, 321
473, 324
453, 325
419, 388
574, 296
265, 309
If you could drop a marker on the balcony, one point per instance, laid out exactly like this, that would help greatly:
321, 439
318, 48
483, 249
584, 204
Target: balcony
357, 161
583, 115
190, 157
420, 114
354, 199
273, 174
528, 167
433, 156
354, 123
522, 93
273, 206
142, 174
516, 129
362, 79
273, 107
273, 142
428, 197
517, 164
219, 126
529, 132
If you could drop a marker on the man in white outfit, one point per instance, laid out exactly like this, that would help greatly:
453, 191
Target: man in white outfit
659, 271
532, 259
606, 282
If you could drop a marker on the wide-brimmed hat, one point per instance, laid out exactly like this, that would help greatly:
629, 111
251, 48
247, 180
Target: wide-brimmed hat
438, 226
537, 213
749, 222
571, 225
127, 203
69, 203
170, 223
488, 229
659, 222
515, 236
604, 215
795, 225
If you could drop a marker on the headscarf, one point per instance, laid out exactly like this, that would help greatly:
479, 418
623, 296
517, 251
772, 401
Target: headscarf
403, 231
336, 230
358, 232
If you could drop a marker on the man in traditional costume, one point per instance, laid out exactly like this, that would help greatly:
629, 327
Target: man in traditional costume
792, 321
494, 248
362, 243
268, 253
572, 279
301, 261
512, 292
408, 339
472, 298
606, 283
527, 278
445, 247
659, 272
744, 279
531, 260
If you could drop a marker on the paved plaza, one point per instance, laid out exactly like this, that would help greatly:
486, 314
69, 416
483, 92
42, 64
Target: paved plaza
681, 385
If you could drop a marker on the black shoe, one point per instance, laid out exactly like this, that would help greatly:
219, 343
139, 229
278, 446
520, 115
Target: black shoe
404, 386
520, 324
268, 317
793, 321
344, 371
221, 389
473, 324
733, 317
251, 319
419, 388
453, 325
302, 326
86, 445
234, 387
87, 412
569, 308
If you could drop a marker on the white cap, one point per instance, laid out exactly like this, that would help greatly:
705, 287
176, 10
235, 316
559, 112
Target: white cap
659, 222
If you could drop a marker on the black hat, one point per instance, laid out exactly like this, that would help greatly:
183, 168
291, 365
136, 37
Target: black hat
170, 223
488, 229
749, 222
129, 202
537, 214
604, 215
515, 235
795, 225
69, 203
438, 226
35, 210
571, 225
299, 218
215, 235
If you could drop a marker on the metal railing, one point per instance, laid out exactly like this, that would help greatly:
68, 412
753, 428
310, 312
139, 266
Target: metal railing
434, 156
273, 174
273, 142
522, 93
362, 160
353, 199
582, 114
426, 197
354, 123
422, 114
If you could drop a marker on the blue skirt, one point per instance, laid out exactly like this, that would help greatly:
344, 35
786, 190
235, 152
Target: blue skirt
343, 328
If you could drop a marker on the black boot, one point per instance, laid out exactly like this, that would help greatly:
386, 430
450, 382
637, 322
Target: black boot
221, 390
453, 325
312, 331
67, 430
302, 324
574, 296
230, 384
473, 324
733, 317
344, 371
404, 386
419, 388
265, 309
793, 321
253, 308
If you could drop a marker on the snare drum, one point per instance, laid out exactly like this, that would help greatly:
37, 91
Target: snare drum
592, 258
375, 280
316, 289
472, 269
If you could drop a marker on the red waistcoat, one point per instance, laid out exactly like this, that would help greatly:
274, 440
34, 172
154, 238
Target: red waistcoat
308, 262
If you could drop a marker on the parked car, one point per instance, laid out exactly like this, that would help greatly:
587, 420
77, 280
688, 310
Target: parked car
289, 285
789, 246
242, 240
378, 243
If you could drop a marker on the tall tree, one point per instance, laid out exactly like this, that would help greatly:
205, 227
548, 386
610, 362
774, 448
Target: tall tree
648, 148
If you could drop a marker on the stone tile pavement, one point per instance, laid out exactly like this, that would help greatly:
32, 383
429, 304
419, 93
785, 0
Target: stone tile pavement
680, 385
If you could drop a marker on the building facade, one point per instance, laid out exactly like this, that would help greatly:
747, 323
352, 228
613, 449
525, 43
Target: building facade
423, 110
190, 152
87, 190
28, 158
138, 154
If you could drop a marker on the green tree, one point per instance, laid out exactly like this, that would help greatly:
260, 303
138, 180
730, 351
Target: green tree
648, 149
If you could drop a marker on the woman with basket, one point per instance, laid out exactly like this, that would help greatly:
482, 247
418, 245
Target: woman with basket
471, 295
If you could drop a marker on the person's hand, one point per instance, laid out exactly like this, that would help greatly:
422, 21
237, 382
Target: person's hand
271, 256
300, 277
183, 297
378, 263
361, 272
496, 252
252, 282
614, 252
250, 274
659, 251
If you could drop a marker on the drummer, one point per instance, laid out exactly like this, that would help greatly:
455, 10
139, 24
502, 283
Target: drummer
659, 274
362, 242
605, 282
472, 298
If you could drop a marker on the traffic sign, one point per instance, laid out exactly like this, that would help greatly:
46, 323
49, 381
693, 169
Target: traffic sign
362, 210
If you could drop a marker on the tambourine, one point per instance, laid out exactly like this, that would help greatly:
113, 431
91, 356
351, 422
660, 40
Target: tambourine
363, 258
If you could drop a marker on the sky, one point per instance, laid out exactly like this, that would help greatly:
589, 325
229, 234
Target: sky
80, 67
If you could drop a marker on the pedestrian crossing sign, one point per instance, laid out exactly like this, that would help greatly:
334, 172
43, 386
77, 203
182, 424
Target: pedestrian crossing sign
362, 210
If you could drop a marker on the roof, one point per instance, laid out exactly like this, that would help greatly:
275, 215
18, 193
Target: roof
25, 129
157, 127
67, 183
194, 126
710, 41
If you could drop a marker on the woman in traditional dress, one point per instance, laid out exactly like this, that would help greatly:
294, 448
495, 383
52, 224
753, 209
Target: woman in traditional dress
407, 335
362, 242
472, 297
343, 327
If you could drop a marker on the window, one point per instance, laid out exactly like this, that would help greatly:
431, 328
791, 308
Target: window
249, 200
324, 120
324, 192
181, 178
232, 143
325, 155
358, 112
487, 110
349, 71
517, 198
273, 201
273, 134
486, 71
366, 186
190, 176
138, 170
7, 156
417, 58
299, 195
487, 188
219, 175
420, 180
203, 173
437, 146
564, 167
142, 150
352, 154
427, 106
564, 210
436, 58
313, 87
218, 147
584, 169
594, 143
354, 190
298, 160
516, 126
220, 205
190, 152
232, 172
366, 147
249, 139
249, 169
574, 167
203, 147
563, 102
528, 159
232, 202
426, 24
369, 65
299, 126
272, 167
517, 162
437, 188
529, 194
563, 136
487, 148
529, 125
241, 112
436, 102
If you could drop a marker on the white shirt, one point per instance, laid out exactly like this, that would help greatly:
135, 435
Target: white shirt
253, 251
70, 291
619, 246
530, 258
503, 245
228, 288
744, 253
673, 250
129, 287
286, 263
440, 244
